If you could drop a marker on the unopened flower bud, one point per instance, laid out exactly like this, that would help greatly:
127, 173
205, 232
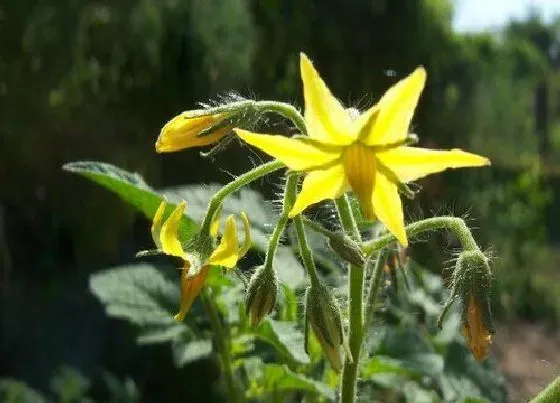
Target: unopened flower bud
471, 284
347, 249
261, 294
323, 314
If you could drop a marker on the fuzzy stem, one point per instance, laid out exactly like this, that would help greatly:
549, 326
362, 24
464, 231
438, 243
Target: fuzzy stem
373, 291
233, 186
355, 307
455, 224
550, 394
286, 110
222, 344
289, 197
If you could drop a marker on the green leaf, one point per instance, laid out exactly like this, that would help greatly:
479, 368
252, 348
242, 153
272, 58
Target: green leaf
138, 293
285, 337
185, 353
271, 378
13, 391
131, 188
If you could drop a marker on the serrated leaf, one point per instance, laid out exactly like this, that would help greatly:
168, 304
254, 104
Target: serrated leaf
285, 337
270, 378
138, 293
185, 353
413, 365
160, 334
131, 188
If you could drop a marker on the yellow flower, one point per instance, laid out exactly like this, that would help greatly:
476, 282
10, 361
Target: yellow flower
475, 331
364, 153
195, 268
192, 129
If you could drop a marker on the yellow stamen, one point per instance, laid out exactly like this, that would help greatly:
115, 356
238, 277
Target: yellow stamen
359, 166
190, 288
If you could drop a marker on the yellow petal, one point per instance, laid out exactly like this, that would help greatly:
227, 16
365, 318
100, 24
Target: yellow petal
247, 242
226, 254
359, 167
181, 132
320, 185
396, 108
190, 288
168, 235
157, 223
215, 226
325, 118
298, 154
411, 163
388, 207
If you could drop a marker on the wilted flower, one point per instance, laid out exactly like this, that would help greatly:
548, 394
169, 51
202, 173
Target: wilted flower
366, 153
197, 260
261, 294
474, 329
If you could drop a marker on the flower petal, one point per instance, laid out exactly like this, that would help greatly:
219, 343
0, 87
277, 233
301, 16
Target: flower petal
215, 225
411, 163
157, 223
181, 132
388, 207
168, 235
247, 242
396, 108
326, 119
299, 154
190, 288
227, 252
320, 185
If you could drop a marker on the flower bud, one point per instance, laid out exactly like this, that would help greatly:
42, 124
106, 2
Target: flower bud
323, 314
347, 249
261, 294
471, 284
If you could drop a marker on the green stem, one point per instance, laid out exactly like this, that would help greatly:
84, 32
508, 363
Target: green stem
455, 224
235, 185
373, 291
221, 340
550, 394
304, 249
289, 198
283, 109
355, 307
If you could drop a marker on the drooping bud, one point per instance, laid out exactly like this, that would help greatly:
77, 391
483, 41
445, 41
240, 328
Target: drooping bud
347, 249
471, 285
323, 314
262, 292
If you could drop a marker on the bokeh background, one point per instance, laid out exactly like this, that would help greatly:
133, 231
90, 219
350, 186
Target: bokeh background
96, 80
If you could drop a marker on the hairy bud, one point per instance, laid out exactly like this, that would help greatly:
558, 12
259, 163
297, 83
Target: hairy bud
261, 294
323, 314
471, 285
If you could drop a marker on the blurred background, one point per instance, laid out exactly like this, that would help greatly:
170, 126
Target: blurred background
96, 80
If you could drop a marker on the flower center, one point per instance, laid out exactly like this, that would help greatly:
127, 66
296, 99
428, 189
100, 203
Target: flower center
359, 166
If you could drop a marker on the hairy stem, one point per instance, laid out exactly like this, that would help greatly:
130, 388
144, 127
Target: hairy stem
550, 394
284, 109
374, 284
235, 185
355, 307
455, 224
221, 340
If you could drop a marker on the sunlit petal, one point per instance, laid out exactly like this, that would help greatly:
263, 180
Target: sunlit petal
359, 167
215, 225
190, 288
396, 109
411, 163
299, 154
168, 235
182, 132
388, 207
157, 223
326, 119
320, 185
226, 254
247, 242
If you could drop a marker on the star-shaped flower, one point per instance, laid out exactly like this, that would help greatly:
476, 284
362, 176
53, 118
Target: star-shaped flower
365, 153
